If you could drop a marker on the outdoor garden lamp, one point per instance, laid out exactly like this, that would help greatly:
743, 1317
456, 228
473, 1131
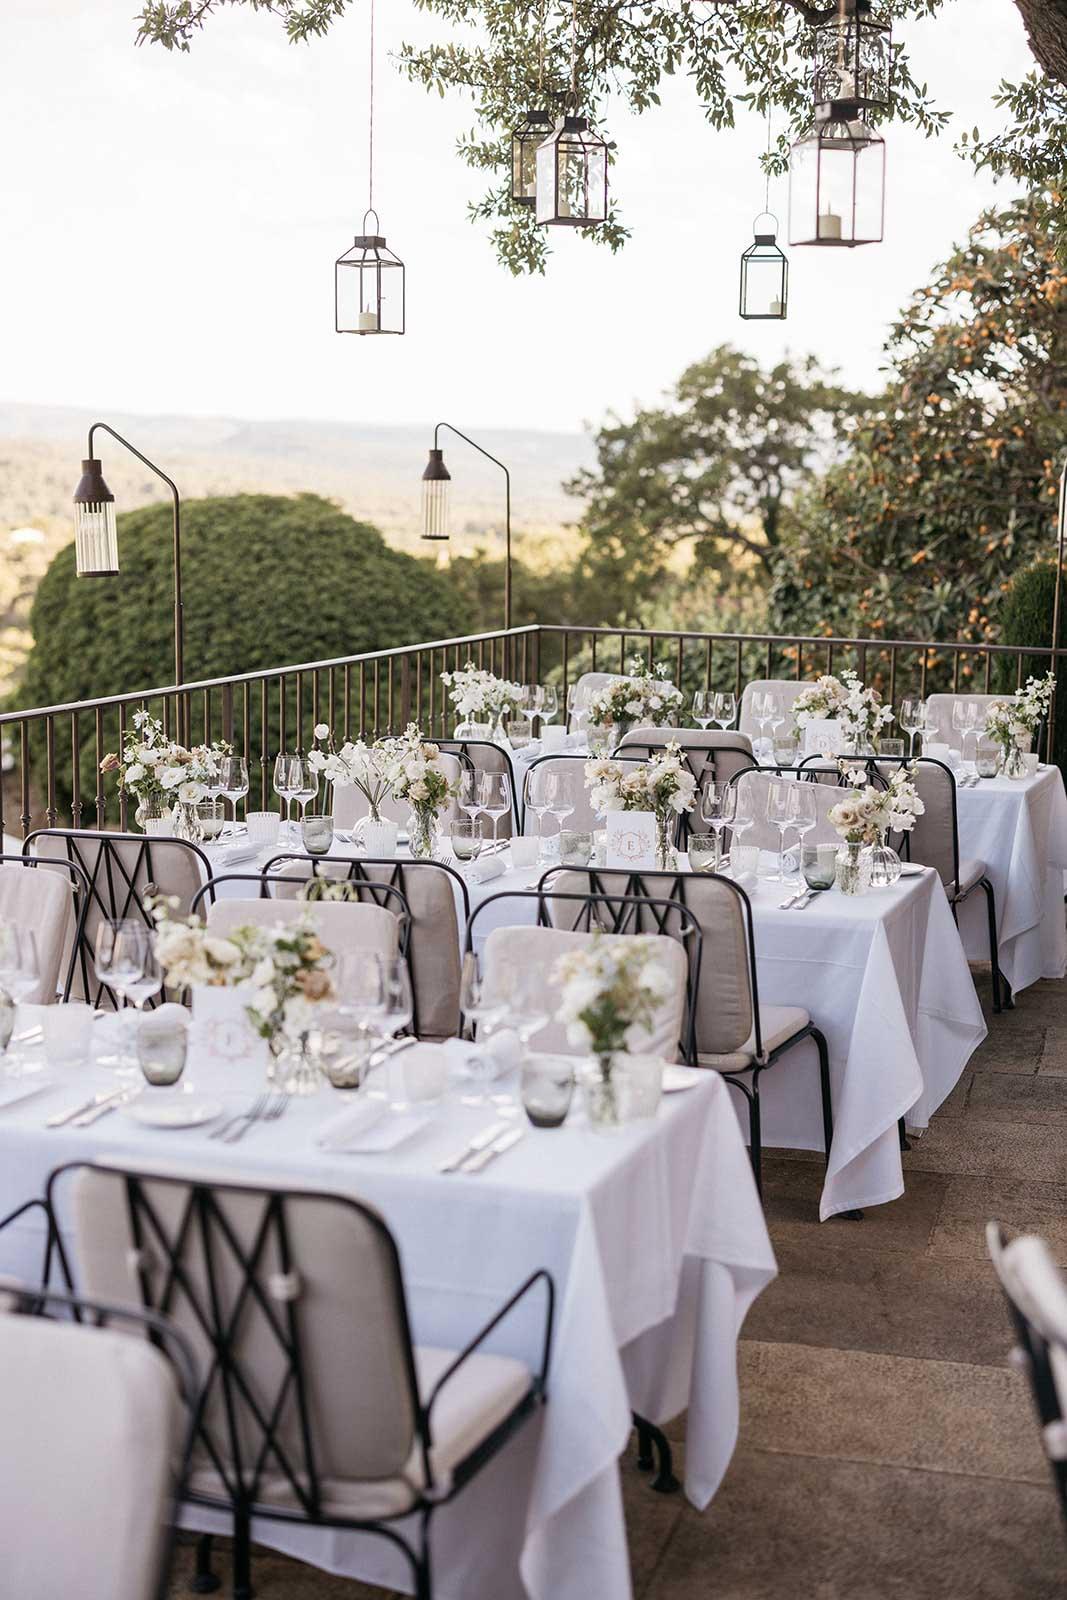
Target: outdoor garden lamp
435, 493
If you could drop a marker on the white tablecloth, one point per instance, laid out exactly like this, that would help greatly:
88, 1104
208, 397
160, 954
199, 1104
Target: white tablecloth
1018, 827
657, 1244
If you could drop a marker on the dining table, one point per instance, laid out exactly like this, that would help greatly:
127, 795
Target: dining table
654, 1237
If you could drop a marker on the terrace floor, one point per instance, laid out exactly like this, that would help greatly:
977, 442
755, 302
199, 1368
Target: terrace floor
887, 1451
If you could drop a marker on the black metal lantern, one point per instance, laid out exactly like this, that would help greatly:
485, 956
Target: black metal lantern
532, 131
572, 176
853, 60
96, 544
764, 294
369, 286
435, 495
837, 182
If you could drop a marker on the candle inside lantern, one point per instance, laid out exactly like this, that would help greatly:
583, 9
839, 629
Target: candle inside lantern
829, 225
367, 322
776, 308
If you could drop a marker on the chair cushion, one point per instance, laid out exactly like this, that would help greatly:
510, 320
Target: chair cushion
970, 873
474, 1401
777, 1025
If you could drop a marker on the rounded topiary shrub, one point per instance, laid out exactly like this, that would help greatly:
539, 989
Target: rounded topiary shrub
1026, 619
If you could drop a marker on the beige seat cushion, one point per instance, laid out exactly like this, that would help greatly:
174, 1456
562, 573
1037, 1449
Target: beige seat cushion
42, 900
777, 1025
970, 873
479, 1396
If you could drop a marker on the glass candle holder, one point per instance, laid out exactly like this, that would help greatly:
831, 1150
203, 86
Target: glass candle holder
703, 852
785, 752
519, 732
818, 863
211, 815
893, 749
263, 826
466, 838
317, 834
987, 758
161, 1049
547, 1089
575, 848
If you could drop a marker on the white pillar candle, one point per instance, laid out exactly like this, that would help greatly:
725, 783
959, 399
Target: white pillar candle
367, 322
776, 308
829, 225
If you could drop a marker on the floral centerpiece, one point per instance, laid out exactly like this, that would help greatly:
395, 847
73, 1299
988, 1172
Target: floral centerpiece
610, 993
647, 696
480, 697
158, 771
371, 768
423, 781
864, 818
1013, 723
845, 700
663, 785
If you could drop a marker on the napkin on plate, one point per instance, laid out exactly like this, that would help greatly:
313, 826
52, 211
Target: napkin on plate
502, 1048
486, 867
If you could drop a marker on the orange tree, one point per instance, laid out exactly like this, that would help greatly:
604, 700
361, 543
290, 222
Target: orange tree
949, 481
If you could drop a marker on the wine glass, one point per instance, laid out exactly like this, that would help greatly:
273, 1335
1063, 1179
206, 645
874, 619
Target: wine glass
140, 990
20, 974
577, 707
723, 709
398, 1005
912, 720
305, 784
702, 711
495, 797
744, 816
560, 797
778, 817
540, 790
360, 994
120, 956
470, 789
964, 718
762, 710
233, 780
803, 814
775, 716
718, 803
285, 788
480, 1010
548, 702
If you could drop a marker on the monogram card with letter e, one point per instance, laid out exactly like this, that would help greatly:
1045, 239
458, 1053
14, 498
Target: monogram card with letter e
631, 839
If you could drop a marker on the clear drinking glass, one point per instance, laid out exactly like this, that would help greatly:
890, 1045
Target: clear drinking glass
481, 1013
121, 954
548, 705
162, 1043
305, 784
561, 797
818, 863
803, 812
470, 791
705, 850
233, 780
702, 712
778, 817
317, 834
723, 709
718, 802
762, 710
964, 718
495, 797
466, 837
285, 787
912, 720
519, 731
744, 814
547, 1089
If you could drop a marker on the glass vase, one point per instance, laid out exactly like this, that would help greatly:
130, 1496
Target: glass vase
422, 835
601, 1093
295, 1067
187, 824
152, 816
884, 864
666, 855
1012, 763
853, 874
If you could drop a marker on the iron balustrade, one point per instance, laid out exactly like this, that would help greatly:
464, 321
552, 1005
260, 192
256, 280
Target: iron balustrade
50, 755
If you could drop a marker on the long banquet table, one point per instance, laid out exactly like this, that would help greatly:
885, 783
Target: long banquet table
655, 1238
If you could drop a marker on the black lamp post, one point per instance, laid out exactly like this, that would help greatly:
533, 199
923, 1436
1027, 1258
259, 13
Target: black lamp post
96, 545
435, 492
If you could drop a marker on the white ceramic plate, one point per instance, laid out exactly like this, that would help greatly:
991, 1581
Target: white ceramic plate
675, 1078
911, 869
156, 1110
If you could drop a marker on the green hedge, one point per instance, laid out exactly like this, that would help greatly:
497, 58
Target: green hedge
1026, 619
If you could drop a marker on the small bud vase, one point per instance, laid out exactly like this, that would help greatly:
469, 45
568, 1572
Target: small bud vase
666, 855
1012, 763
883, 863
422, 835
853, 872
187, 824
601, 1093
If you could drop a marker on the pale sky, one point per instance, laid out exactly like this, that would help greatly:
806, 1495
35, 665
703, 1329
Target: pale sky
169, 225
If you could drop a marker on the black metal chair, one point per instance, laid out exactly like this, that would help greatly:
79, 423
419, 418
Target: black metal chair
379, 894
314, 1406
485, 756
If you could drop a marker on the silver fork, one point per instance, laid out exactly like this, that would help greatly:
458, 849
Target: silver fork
278, 1107
255, 1109
270, 1110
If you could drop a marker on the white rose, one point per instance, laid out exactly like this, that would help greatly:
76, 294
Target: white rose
322, 730
222, 952
170, 777
134, 773
190, 793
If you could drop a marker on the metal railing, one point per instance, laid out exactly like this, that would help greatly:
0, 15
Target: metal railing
50, 769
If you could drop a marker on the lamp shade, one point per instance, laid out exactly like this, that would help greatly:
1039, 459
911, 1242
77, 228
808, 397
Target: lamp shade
531, 132
764, 293
837, 183
853, 60
369, 286
435, 496
96, 545
572, 176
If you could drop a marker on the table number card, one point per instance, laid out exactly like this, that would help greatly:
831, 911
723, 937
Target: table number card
631, 839
822, 736
222, 1028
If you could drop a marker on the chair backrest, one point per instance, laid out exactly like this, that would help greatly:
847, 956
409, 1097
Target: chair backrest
484, 756
1036, 1293
709, 755
724, 1000
939, 713
45, 898
349, 804
787, 690
342, 927
437, 899
587, 684
935, 839
583, 818
756, 786
96, 1424
294, 1306
120, 869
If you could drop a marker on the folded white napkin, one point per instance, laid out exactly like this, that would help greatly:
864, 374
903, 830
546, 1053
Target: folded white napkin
368, 1127
502, 1048
242, 850
487, 867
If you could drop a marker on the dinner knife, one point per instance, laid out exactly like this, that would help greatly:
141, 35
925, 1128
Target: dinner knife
87, 1118
482, 1158
71, 1112
476, 1145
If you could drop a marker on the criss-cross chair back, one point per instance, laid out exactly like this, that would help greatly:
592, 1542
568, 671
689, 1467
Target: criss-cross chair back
1036, 1294
756, 787
583, 819
437, 899
51, 904
484, 756
120, 868
710, 756
787, 691
350, 806
569, 920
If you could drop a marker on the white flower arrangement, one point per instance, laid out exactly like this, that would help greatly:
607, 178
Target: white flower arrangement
153, 767
1013, 723
480, 695
610, 993
646, 696
662, 784
421, 779
859, 710
373, 768
867, 812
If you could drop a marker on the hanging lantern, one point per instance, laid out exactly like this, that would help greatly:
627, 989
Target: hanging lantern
764, 292
837, 183
572, 176
532, 131
853, 60
435, 491
369, 286
96, 544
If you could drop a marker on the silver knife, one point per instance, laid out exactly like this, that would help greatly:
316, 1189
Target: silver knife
477, 1144
392, 1047
793, 898
87, 1118
482, 1159
61, 1117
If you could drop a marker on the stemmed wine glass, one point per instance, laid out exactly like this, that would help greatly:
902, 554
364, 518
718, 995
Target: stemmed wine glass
540, 791
285, 787
560, 797
778, 816
233, 781
495, 797
723, 709
305, 783
744, 816
20, 973
718, 805
702, 711
548, 702
480, 1011
361, 994
470, 790
763, 707
577, 707
964, 721
912, 721
803, 814
120, 956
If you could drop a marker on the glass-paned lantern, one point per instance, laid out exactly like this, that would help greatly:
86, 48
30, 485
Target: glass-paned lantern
572, 175
853, 60
764, 276
435, 492
96, 544
369, 286
837, 185
532, 131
